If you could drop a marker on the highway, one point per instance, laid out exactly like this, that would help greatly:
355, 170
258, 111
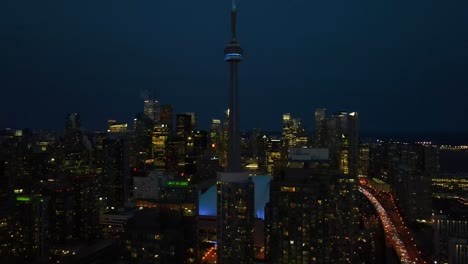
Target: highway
210, 256
397, 234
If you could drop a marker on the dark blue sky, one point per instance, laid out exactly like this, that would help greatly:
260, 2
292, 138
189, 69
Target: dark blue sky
403, 65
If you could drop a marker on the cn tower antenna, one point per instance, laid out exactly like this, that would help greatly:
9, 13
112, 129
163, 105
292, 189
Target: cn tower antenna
233, 20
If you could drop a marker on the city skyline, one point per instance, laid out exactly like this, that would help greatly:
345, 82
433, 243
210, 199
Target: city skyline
162, 184
400, 66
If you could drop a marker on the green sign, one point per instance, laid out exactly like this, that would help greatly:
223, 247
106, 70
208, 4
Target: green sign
177, 183
23, 199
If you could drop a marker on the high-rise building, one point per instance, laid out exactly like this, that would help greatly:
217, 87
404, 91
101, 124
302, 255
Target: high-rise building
161, 236
161, 134
184, 125
235, 189
157, 112
320, 133
166, 229
116, 173
343, 141
167, 116
141, 147
312, 216
31, 225
73, 122
193, 119
295, 216
411, 182
175, 155
450, 228
216, 138
235, 221
152, 110
458, 250
294, 135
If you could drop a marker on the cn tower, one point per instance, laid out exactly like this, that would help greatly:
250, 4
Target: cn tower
235, 189
233, 54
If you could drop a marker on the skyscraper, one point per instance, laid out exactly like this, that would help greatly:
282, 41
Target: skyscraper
166, 116
235, 218
73, 122
320, 135
343, 141
312, 215
152, 110
294, 135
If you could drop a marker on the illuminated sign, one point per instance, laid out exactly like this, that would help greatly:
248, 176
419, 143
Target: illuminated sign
23, 199
177, 183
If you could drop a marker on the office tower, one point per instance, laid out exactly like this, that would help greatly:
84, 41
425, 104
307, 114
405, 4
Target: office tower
272, 152
215, 131
200, 153
157, 112
262, 142
200, 143
353, 135
364, 159
411, 182
216, 136
161, 134
343, 142
320, 132
31, 225
175, 155
184, 125
218, 140
77, 165
193, 120
235, 203
141, 147
225, 139
186, 129
407, 170
62, 216
294, 135
116, 173
167, 116
73, 122
152, 110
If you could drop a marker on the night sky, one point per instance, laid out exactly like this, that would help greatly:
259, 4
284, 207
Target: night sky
403, 65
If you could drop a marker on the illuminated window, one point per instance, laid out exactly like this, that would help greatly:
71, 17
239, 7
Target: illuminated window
288, 189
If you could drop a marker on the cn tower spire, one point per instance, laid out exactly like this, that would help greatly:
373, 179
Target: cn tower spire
233, 54
233, 21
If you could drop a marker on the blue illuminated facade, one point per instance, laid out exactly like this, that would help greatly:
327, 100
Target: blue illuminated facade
207, 202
